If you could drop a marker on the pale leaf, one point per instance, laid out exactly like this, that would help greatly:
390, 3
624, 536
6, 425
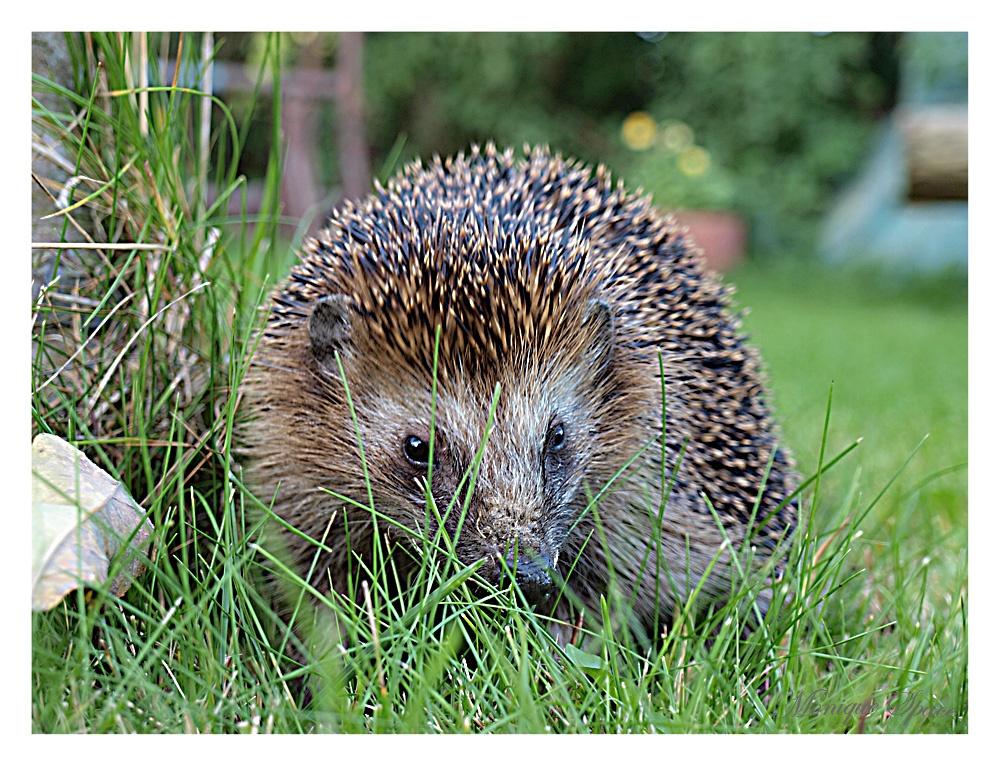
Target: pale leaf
81, 519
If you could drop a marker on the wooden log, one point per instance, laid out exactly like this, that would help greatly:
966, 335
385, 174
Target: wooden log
937, 151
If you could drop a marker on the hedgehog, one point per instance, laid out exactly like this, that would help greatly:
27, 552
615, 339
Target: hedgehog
523, 333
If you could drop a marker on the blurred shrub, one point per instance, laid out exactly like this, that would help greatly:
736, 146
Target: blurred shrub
446, 90
678, 172
767, 124
784, 115
773, 121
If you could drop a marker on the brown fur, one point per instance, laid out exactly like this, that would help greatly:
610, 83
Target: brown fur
564, 291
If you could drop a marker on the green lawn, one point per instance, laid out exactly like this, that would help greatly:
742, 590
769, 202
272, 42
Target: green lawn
897, 357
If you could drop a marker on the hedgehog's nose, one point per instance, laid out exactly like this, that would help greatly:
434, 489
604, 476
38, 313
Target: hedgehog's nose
531, 573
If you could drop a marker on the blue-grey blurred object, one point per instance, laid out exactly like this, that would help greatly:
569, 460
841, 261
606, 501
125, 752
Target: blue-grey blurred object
908, 207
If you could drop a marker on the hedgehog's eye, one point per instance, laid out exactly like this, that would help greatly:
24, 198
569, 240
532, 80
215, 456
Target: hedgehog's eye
556, 438
416, 450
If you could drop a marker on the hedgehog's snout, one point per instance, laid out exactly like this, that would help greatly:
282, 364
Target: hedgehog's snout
531, 573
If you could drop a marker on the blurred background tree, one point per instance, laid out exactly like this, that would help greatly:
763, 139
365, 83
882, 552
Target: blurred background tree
765, 124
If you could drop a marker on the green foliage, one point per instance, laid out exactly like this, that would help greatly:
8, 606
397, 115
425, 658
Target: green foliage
785, 114
784, 117
446, 90
661, 172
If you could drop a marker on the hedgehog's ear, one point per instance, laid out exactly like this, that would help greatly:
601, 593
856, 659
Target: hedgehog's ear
330, 329
600, 326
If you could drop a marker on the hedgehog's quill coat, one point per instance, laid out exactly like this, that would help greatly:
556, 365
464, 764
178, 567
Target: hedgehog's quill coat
565, 290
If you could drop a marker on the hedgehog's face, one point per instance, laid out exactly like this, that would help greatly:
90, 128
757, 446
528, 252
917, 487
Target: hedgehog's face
515, 459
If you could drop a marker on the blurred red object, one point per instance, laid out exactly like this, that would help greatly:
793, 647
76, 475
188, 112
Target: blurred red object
720, 234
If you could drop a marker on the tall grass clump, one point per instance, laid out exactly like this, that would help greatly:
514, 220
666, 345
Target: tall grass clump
143, 312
